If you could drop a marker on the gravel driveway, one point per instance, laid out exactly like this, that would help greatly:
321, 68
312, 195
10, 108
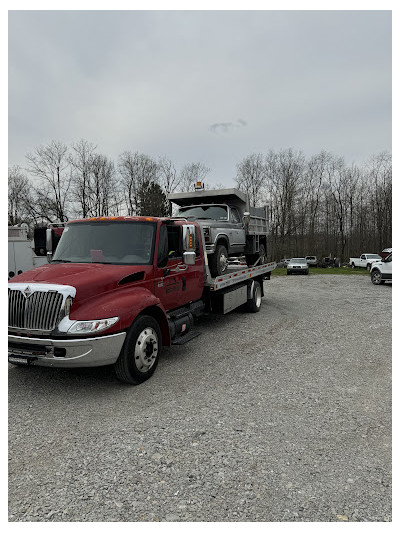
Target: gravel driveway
284, 415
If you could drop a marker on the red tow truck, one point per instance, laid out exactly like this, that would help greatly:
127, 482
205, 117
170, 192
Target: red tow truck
117, 290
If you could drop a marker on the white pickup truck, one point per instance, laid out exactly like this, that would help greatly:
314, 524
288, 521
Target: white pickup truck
365, 260
382, 271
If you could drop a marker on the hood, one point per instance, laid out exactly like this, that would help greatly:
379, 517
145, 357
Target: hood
88, 278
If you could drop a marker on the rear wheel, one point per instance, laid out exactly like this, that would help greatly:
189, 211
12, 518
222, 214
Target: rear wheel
218, 261
254, 302
140, 353
261, 257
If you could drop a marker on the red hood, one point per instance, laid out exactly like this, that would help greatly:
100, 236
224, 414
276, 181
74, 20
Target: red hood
89, 279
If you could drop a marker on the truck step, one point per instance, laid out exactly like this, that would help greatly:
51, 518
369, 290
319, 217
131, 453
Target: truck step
183, 339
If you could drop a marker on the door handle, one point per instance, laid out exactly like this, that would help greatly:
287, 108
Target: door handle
180, 268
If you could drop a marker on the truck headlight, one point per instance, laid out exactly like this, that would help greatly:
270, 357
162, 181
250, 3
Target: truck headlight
80, 327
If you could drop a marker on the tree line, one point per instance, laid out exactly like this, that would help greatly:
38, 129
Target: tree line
318, 205
60, 183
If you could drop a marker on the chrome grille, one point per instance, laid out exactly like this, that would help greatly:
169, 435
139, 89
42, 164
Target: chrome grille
40, 311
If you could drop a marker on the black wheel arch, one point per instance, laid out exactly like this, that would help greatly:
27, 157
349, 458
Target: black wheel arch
224, 241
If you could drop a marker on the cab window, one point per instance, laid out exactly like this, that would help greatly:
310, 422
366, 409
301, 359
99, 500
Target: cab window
235, 215
174, 242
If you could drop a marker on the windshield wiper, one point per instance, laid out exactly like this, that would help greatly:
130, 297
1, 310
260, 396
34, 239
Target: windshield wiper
61, 261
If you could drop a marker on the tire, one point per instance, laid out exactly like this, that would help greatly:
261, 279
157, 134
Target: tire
252, 258
376, 277
218, 261
368, 266
288, 273
254, 303
262, 254
141, 351
353, 265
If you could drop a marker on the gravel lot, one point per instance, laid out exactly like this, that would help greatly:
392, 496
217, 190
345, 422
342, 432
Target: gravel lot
284, 415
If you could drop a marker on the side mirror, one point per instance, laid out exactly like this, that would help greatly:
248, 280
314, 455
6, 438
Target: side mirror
189, 258
49, 244
246, 217
188, 242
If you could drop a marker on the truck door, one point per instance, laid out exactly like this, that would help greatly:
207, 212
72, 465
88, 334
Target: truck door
176, 284
363, 261
238, 233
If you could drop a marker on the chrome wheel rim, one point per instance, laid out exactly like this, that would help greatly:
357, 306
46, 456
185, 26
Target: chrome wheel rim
257, 296
223, 261
376, 277
146, 350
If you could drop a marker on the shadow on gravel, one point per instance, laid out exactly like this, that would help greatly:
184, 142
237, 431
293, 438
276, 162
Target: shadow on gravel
51, 378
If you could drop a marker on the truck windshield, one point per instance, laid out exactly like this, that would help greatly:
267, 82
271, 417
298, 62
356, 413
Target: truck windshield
119, 243
212, 212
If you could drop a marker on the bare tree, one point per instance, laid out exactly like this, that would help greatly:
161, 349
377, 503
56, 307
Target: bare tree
284, 173
51, 166
191, 173
135, 169
168, 179
19, 196
379, 171
81, 161
250, 177
102, 192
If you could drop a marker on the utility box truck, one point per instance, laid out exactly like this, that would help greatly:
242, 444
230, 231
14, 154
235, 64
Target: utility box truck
24, 253
117, 290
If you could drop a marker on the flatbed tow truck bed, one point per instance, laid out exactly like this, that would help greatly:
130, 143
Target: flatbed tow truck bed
238, 275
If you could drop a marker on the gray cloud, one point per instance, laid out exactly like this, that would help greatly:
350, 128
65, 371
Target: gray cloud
225, 127
155, 81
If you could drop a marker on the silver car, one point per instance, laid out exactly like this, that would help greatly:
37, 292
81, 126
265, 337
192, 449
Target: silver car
297, 265
311, 260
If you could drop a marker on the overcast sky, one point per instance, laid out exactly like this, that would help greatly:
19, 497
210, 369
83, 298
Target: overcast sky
201, 86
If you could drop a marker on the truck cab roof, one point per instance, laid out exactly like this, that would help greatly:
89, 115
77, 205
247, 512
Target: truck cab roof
130, 219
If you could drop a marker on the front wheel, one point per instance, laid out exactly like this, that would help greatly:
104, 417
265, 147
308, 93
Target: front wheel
218, 261
376, 277
140, 353
254, 302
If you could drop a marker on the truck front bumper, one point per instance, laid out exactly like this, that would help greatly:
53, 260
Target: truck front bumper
70, 353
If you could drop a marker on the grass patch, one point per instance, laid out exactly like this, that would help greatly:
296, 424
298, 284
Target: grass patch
328, 270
